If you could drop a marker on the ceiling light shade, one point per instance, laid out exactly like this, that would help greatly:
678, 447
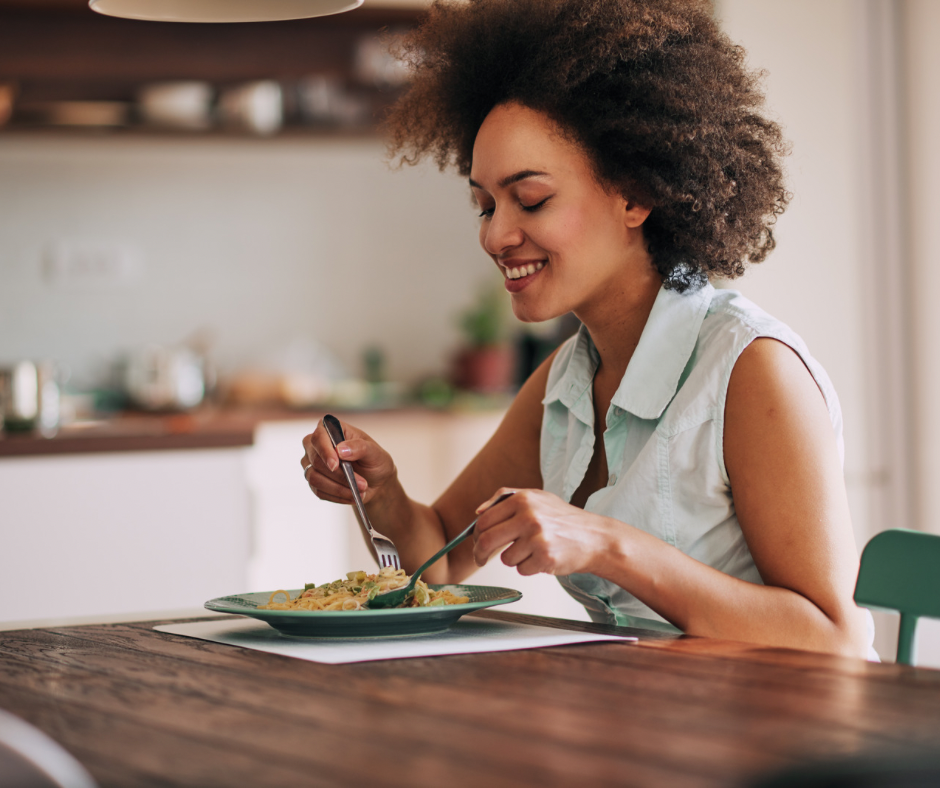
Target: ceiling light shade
221, 10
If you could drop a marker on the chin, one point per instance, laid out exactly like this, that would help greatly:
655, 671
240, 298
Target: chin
531, 313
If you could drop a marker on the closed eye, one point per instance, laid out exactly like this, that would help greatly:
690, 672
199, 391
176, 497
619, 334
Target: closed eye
533, 208
488, 212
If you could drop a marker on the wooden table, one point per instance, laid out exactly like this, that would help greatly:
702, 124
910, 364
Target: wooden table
141, 708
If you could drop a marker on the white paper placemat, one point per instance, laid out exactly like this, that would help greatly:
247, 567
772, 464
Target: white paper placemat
467, 636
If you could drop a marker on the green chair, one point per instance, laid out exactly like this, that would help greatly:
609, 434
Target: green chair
900, 571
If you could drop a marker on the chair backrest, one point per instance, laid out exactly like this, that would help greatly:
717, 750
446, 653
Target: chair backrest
900, 570
30, 759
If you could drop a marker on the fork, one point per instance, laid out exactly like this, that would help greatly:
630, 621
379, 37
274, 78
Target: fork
385, 549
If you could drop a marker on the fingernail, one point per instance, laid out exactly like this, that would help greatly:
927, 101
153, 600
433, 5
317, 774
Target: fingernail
480, 509
344, 451
332, 463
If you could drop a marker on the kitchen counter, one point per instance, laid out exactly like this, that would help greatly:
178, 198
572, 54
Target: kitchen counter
138, 432
206, 428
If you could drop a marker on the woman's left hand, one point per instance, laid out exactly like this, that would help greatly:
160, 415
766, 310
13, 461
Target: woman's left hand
543, 534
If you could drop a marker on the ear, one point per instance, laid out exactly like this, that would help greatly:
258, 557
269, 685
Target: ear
635, 214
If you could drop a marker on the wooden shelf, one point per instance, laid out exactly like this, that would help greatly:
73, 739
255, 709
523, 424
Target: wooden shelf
60, 50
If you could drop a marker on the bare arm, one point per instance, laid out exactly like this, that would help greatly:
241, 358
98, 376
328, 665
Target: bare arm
790, 500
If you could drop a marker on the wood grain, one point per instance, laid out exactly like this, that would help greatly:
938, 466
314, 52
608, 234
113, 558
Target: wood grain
141, 707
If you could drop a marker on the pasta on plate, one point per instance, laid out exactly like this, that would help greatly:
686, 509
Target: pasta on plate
357, 589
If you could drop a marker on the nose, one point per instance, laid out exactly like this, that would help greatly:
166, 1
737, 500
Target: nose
500, 233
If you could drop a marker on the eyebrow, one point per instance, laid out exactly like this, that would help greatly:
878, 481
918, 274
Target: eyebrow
511, 179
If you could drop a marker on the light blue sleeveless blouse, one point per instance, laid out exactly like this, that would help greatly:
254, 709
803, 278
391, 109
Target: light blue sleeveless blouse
664, 436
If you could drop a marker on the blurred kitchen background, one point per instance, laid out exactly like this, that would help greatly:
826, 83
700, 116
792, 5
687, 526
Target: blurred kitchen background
212, 204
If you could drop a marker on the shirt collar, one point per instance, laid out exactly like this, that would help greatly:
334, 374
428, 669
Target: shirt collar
574, 387
653, 375
665, 347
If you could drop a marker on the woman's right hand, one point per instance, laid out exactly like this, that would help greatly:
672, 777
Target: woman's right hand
373, 465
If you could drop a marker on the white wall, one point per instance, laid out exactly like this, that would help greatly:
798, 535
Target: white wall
260, 242
921, 65
921, 26
811, 280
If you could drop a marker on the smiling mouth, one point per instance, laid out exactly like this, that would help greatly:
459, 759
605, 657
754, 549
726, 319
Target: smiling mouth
522, 271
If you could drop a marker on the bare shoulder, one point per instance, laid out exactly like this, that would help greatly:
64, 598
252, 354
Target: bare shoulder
773, 399
766, 365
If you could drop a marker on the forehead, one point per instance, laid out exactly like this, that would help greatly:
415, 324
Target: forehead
514, 137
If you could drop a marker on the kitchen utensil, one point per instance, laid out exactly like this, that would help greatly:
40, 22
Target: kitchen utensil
185, 104
29, 397
257, 107
165, 378
396, 597
364, 623
385, 550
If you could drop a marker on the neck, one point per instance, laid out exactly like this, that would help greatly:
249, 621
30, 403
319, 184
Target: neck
616, 323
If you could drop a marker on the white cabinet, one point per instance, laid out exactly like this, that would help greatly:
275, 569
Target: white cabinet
130, 532
90, 535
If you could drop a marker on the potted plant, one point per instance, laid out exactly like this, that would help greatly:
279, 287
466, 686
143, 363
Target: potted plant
486, 361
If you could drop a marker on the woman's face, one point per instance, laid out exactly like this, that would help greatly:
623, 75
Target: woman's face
562, 241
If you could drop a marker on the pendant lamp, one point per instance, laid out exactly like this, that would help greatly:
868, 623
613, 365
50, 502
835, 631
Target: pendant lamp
221, 10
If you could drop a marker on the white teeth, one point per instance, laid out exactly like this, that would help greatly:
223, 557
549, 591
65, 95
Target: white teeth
524, 270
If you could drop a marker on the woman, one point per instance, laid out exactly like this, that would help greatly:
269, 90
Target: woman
677, 463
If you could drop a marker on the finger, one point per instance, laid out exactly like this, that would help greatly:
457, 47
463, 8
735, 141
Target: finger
324, 485
519, 551
329, 498
492, 499
533, 565
496, 513
364, 452
337, 475
493, 541
320, 479
318, 444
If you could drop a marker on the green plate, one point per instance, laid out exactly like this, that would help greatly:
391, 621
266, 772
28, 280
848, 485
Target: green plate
364, 623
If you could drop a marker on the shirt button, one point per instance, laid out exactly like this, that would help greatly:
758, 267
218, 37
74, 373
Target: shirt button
612, 479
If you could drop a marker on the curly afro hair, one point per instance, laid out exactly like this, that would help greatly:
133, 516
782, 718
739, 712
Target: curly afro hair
658, 97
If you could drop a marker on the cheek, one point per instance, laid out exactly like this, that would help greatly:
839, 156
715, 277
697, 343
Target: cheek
567, 233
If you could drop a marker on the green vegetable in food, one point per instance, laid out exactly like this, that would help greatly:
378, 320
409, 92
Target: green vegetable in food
422, 597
